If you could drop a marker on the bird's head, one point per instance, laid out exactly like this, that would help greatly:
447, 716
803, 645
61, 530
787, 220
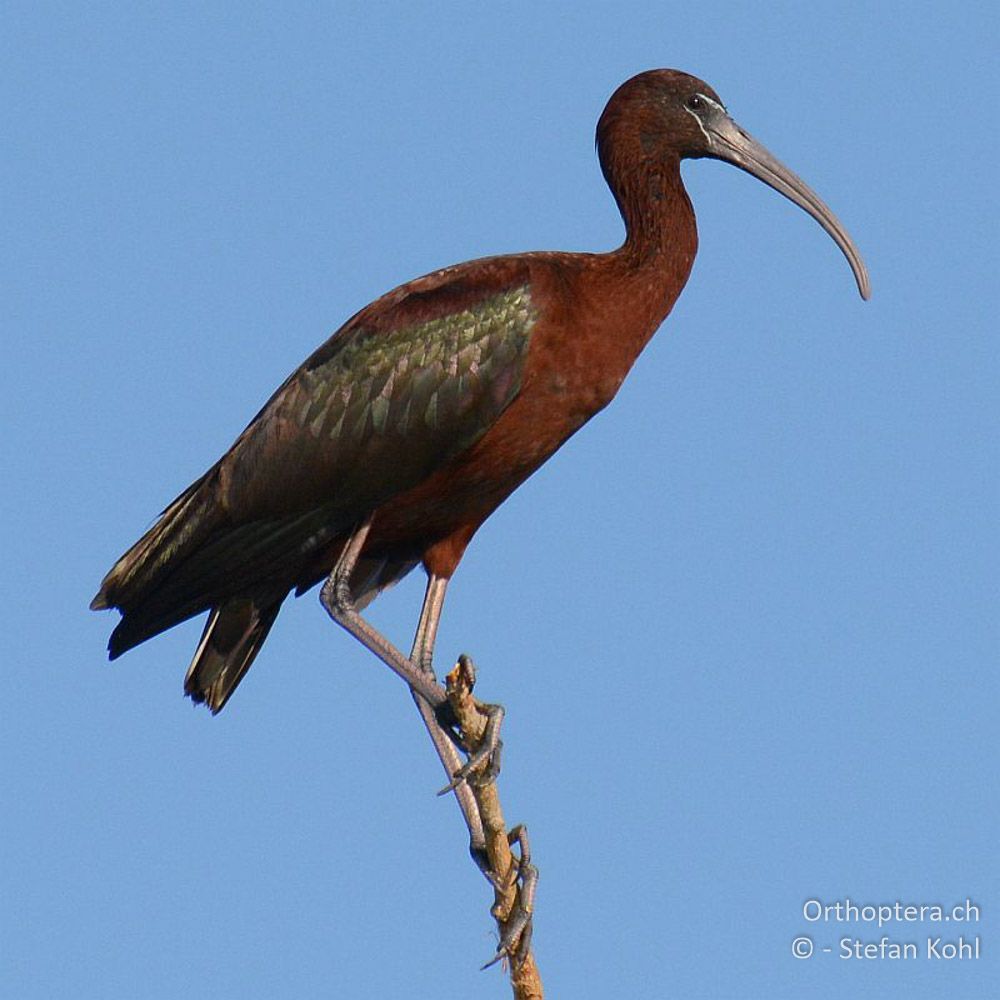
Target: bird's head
664, 115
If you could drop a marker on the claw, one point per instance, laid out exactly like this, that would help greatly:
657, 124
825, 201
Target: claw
468, 670
515, 941
484, 762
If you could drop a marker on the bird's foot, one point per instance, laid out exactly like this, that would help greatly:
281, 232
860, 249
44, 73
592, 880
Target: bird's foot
484, 748
515, 921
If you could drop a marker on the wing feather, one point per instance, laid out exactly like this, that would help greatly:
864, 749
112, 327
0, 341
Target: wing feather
372, 418
404, 386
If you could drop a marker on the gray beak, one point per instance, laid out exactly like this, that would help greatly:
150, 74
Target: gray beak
727, 141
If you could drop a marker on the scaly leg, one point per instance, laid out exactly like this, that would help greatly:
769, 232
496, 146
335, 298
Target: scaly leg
336, 598
422, 655
417, 671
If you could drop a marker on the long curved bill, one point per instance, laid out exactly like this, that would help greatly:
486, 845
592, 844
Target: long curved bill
730, 143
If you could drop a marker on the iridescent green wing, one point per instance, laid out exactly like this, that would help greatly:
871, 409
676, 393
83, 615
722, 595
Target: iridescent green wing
406, 385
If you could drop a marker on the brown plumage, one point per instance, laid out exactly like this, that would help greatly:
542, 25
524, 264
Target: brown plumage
431, 405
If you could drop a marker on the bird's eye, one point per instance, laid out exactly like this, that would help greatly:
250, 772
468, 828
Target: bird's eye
696, 102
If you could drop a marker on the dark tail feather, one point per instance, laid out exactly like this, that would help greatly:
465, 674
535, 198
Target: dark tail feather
178, 530
233, 635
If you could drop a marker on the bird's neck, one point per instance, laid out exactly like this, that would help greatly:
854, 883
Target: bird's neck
653, 264
659, 219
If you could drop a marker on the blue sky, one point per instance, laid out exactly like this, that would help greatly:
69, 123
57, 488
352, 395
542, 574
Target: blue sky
744, 624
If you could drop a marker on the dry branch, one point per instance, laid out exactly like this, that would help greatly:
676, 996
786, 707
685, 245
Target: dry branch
513, 877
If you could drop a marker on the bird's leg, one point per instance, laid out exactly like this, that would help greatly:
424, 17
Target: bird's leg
337, 599
422, 655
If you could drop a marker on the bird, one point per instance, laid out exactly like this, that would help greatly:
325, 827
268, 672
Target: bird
392, 444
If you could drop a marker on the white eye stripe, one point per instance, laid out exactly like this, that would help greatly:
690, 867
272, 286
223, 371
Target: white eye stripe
708, 100
704, 131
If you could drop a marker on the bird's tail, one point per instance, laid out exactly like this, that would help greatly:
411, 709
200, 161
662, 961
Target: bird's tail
150, 583
183, 524
233, 635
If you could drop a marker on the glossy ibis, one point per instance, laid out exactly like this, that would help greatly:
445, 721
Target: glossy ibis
397, 438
